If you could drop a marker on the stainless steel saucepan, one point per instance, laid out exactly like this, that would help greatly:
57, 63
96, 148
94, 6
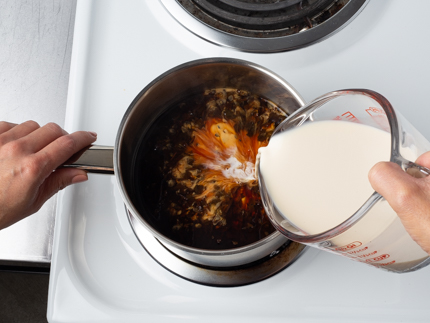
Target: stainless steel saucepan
174, 85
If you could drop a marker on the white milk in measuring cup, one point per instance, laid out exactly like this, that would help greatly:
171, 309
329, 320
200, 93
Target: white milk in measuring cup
314, 179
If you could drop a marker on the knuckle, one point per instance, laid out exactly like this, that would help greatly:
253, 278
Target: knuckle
31, 124
12, 148
54, 128
32, 166
4, 125
67, 142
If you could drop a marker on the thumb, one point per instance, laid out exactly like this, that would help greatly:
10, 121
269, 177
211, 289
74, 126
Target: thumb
408, 196
395, 185
58, 180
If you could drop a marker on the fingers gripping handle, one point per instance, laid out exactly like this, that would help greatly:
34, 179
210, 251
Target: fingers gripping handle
416, 170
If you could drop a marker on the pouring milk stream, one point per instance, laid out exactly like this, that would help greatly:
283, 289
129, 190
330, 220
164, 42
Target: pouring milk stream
313, 178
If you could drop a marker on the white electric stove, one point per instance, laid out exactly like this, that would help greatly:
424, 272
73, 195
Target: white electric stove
101, 273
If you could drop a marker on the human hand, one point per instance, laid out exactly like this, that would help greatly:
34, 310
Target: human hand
408, 196
29, 157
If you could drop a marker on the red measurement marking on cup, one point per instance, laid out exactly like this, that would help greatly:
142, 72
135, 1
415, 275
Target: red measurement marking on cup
379, 116
348, 116
368, 254
372, 111
386, 264
358, 251
349, 246
379, 258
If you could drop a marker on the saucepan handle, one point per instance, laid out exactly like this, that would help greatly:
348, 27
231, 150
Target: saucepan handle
93, 159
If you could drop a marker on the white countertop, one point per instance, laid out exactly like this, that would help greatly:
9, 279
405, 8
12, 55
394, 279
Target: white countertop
36, 42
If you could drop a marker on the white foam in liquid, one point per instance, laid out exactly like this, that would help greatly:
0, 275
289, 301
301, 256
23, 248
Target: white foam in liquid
317, 176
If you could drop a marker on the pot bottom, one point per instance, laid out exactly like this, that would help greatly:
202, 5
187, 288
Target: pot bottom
246, 274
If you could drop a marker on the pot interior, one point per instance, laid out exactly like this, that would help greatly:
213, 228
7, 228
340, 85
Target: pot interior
158, 109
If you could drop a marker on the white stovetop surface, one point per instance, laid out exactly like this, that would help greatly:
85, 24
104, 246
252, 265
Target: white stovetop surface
100, 272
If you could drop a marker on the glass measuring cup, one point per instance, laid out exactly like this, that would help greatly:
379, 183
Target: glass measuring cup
373, 234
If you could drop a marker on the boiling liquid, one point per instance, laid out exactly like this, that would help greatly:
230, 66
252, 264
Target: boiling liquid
317, 177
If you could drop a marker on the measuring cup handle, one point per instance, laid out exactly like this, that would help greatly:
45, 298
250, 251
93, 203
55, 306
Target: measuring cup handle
416, 170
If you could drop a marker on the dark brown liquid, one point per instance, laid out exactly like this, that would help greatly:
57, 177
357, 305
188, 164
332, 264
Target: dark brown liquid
196, 167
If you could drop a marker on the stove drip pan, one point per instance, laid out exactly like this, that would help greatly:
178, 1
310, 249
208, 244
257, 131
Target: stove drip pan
220, 277
264, 26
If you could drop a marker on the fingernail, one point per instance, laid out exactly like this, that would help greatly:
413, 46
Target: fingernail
92, 133
79, 179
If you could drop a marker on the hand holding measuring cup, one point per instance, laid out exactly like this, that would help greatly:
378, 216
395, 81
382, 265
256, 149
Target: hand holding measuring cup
313, 178
408, 196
